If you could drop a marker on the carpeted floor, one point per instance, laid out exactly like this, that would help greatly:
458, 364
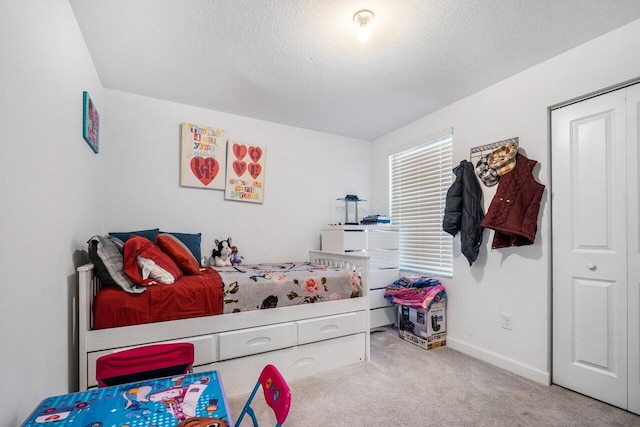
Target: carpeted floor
404, 385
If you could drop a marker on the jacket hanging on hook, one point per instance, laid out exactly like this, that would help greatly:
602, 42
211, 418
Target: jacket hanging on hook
463, 211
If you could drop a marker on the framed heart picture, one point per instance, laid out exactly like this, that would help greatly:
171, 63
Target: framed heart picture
202, 162
245, 172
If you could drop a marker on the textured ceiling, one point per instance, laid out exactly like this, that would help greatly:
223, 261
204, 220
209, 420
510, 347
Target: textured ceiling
299, 63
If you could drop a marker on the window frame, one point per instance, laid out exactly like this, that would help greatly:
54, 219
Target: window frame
438, 258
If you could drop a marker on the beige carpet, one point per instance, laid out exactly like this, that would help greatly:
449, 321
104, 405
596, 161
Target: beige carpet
404, 385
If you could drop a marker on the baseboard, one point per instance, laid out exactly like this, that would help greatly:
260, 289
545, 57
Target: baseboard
500, 361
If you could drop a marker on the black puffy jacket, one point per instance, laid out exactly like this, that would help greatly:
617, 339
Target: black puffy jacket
463, 211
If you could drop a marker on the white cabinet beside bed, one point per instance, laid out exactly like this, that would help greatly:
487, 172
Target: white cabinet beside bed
381, 243
300, 340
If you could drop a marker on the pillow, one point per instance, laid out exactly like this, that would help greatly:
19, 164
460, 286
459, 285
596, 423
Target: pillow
126, 235
179, 253
106, 255
153, 272
191, 241
146, 264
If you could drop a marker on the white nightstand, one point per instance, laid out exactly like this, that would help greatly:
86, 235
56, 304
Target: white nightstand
381, 243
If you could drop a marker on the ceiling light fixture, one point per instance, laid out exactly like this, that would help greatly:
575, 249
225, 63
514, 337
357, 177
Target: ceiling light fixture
362, 19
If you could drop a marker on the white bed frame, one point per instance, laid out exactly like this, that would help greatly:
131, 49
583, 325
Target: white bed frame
300, 340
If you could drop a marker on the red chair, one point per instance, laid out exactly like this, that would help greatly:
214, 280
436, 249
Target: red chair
276, 394
144, 363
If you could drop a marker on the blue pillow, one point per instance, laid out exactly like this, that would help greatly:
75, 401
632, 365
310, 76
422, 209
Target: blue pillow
192, 241
147, 234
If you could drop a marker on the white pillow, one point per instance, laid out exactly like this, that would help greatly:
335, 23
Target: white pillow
150, 270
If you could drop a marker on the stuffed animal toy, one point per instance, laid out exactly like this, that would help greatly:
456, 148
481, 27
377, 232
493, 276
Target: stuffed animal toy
222, 252
236, 259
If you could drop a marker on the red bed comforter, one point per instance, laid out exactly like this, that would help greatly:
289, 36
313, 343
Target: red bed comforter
190, 296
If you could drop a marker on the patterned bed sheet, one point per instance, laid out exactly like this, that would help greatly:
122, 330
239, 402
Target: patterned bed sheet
260, 286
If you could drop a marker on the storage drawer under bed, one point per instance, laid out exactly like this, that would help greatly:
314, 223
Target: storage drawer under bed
239, 375
205, 352
256, 340
323, 328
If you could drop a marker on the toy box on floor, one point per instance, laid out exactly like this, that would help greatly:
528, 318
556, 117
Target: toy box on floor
426, 329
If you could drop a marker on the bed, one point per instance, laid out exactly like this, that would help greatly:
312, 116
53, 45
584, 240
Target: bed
308, 328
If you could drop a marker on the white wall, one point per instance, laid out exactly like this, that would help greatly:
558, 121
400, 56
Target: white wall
515, 280
50, 185
305, 172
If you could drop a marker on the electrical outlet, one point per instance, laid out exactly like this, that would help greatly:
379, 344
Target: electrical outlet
507, 321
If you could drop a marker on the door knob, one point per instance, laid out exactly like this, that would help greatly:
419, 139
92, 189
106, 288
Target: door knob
591, 266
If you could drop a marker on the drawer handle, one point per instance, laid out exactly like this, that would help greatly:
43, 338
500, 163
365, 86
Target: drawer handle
328, 328
303, 361
258, 341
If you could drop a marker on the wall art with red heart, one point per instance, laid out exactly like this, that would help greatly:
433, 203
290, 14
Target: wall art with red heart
245, 172
202, 162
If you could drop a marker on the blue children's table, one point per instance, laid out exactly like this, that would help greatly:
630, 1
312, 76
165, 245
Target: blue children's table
191, 400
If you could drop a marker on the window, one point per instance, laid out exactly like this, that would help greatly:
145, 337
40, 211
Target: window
419, 178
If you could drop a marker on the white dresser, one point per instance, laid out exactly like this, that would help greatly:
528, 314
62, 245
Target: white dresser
381, 243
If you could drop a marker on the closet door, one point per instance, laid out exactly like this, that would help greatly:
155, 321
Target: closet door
589, 216
633, 190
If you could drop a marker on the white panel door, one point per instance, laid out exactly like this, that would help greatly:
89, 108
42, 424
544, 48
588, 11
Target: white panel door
633, 191
589, 214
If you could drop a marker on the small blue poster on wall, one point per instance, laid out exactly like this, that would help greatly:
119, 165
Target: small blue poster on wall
90, 122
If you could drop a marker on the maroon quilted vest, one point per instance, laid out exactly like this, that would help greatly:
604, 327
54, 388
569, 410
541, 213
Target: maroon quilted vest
513, 212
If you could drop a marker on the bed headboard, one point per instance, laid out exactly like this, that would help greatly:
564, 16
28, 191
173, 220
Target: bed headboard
88, 287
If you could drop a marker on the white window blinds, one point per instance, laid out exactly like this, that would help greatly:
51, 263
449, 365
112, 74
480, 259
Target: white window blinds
419, 179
